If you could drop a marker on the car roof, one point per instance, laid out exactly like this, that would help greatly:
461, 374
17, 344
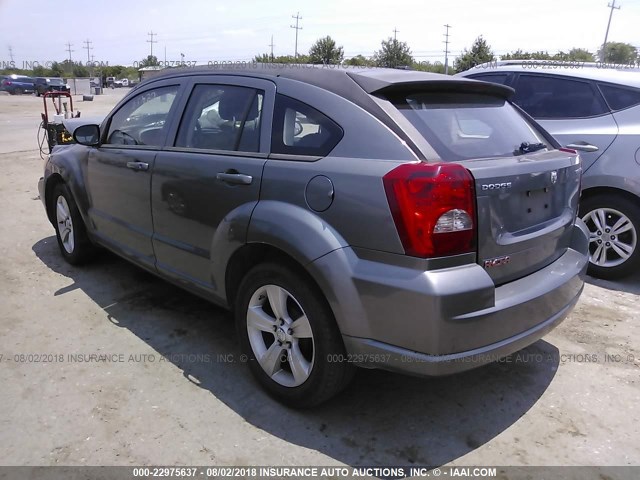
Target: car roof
622, 75
344, 80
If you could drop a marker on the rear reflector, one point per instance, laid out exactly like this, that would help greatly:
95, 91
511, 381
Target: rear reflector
433, 207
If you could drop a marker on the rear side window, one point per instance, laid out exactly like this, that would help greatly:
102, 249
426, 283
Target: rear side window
500, 78
620, 98
461, 126
554, 97
299, 129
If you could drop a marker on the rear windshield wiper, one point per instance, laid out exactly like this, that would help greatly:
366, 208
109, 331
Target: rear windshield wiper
526, 147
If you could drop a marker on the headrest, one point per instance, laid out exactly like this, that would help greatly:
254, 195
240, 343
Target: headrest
234, 104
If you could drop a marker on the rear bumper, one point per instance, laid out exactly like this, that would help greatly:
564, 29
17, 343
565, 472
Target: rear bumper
373, 354
445, 321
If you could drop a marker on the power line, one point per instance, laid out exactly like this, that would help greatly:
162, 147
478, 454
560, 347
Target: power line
446, 50
298, 18
613, 7
152, 41
88, 48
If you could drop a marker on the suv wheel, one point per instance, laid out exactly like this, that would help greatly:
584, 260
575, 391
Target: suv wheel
75, 246
289, 336
614, 225
19, 91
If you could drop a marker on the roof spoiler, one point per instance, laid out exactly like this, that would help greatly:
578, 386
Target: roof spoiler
380, 87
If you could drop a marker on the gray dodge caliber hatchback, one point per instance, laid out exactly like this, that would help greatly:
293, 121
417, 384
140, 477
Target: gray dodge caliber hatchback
381, 218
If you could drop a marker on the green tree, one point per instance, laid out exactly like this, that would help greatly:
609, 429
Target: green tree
618, 52
480, 53
57, 70
520, 55
579, 55
150, 61
393, 54
266, 58
325, 51
360, 61
436, 67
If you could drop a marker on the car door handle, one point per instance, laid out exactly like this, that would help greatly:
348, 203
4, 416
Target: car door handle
583, 147
138, 166
235, 178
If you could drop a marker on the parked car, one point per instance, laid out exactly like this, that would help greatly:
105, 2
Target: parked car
388, 219
16, 84
50, 84
596, 111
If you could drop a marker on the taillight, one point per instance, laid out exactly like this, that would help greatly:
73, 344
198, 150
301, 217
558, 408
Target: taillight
433, 207
6, 82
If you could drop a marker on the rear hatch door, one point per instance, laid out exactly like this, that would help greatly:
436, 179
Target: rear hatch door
527, 190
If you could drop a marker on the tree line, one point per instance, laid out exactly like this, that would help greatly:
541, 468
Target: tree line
393, 53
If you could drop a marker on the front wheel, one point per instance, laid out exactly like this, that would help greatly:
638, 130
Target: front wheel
290, 337
614, 223
74, 244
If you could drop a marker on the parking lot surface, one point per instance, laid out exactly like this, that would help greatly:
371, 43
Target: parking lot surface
108, 365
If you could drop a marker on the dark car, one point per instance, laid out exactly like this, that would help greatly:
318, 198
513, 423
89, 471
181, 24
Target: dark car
389, 219
50, 84
17, 84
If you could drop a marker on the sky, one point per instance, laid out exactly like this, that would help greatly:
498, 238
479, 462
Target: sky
210, 30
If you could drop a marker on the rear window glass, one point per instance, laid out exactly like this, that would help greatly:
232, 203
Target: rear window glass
619, 98
461, 126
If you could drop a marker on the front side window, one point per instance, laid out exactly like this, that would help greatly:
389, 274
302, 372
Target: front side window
299, 129
461, 126
222, 117
551, 97
142, 120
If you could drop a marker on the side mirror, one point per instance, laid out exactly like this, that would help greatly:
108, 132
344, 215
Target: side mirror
88, 135
583, 147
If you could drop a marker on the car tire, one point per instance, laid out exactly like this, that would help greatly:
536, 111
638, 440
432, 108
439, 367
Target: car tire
19, 91
614, 225
309, 364
71, 233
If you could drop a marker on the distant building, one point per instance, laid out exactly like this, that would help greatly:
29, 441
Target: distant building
148, 72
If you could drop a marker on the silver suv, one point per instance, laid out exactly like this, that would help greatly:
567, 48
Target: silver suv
381, 218
595, 110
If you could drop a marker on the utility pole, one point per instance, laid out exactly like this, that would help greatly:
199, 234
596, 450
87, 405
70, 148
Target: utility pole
11, 53
272, 45
446, 50
69, 45
152, 41
298, 18
88, 48
613, 7
395, 34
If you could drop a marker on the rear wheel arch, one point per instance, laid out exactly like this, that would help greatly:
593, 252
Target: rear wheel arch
596, 191
252, 254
